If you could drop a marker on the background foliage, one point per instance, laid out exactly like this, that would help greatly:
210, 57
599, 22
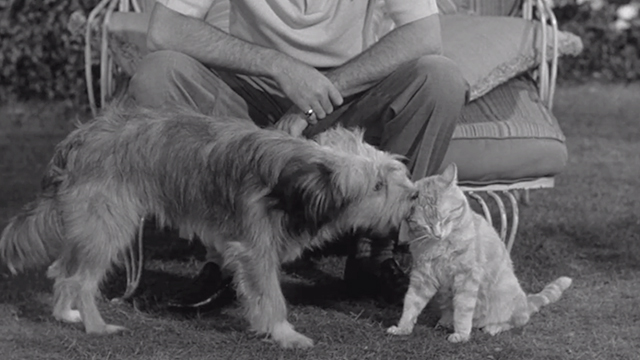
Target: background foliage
611, 43
40, 58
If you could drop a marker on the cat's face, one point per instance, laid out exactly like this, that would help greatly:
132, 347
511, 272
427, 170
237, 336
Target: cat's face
440, 205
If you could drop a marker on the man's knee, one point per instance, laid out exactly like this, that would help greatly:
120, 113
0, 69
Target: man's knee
158, 74
441, 76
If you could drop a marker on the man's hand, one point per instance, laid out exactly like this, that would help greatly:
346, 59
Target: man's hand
308, 89
293, 122
304, 85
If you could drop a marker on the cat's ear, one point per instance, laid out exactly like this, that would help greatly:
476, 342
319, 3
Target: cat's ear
450, 175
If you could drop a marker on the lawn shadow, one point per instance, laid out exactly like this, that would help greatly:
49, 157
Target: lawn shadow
329, 292
27, 294
315, 280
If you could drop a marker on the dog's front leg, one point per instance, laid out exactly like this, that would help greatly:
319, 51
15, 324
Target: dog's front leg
256, 276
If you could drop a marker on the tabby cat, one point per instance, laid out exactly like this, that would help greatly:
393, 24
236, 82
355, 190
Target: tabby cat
459, 256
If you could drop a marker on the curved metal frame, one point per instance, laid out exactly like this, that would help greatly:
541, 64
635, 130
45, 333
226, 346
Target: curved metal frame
104, 8
548, 69
512, 193
134, 256
133, 264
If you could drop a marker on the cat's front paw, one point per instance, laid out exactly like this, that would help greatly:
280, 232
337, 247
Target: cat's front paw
458, 337
394, 330
494, 329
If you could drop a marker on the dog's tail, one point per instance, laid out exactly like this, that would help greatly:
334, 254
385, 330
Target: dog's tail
32, 237
551, 293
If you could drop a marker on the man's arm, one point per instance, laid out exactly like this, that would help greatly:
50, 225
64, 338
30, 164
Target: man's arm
170, 30
405, 43
304, 85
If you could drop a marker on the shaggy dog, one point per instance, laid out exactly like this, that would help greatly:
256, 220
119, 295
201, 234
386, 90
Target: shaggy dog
255, 197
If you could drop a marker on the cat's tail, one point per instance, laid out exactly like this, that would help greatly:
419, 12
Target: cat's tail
551, 293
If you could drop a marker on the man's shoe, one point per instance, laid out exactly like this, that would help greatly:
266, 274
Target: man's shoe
394, 282
208, 288
385, 280
361, 277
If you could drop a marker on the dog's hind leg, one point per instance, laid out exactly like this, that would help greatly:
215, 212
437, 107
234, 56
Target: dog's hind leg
256, 277
97, 231
93, 322
64, 295
80, 290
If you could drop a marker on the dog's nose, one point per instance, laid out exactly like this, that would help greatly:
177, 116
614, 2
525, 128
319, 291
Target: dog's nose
414, 195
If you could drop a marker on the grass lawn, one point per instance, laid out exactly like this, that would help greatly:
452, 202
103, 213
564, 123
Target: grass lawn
587, 227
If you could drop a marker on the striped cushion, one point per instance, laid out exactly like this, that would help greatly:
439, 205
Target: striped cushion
506, 136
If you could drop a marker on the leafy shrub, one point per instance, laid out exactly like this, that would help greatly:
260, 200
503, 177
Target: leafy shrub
39, 57
611, 42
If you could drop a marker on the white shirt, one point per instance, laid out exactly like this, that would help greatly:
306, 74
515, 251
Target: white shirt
321, 33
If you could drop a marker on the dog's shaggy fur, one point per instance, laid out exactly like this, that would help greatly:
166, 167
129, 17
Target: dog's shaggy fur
256, 197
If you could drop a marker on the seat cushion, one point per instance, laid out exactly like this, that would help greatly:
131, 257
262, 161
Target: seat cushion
508, 135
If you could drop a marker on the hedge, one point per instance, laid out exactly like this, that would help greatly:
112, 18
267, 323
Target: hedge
40, 58
611, 43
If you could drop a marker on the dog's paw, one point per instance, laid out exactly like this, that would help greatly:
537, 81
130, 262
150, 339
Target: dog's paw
69, 316
458, 338
107, 329
494, 329
113, 329
394, 330
298, 341
288, 338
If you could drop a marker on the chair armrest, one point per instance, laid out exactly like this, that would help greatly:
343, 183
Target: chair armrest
547, 71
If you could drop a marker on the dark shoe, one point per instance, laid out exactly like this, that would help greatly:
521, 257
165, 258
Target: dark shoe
386, 280
360, 277
208, 288
394, 282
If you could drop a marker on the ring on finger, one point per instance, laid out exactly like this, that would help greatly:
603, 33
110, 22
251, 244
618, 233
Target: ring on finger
309, 113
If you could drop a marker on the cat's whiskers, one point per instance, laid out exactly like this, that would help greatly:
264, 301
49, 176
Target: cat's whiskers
417, 239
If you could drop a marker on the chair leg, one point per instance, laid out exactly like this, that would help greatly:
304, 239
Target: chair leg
515, 217
507, 235
483, 204
503, 214
133, 264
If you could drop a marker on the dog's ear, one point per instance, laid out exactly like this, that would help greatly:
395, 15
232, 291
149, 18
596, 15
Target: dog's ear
307, 195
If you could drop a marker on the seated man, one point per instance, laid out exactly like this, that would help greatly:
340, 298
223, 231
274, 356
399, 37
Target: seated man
303, 66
